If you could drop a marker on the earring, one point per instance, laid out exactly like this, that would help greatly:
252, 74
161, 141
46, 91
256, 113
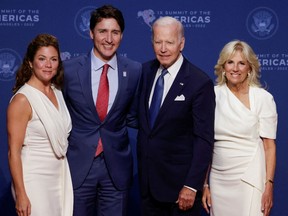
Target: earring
223, 73
249, 74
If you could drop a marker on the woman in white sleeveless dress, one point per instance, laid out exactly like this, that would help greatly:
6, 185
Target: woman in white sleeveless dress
244, 155
38, 125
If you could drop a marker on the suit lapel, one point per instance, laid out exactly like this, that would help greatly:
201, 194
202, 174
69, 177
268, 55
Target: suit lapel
123, 77
150, 79
175, 90
84, 75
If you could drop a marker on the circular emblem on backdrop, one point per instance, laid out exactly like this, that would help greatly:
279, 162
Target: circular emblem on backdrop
82, 21
9, 63
262, 23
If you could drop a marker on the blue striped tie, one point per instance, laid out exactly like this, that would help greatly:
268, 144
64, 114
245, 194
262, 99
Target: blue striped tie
157, 97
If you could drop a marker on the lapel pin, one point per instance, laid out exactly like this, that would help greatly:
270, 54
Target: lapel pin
124, 73
182, 84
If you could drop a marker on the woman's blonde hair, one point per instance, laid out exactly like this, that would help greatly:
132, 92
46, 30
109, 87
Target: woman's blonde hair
247, 53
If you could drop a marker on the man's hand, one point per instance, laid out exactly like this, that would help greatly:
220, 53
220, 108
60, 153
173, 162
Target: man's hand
186, 198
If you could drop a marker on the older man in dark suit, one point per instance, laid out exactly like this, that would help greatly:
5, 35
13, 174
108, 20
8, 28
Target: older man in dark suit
176, 134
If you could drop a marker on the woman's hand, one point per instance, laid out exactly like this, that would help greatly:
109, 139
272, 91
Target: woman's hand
23, 206
206, 198
267, 199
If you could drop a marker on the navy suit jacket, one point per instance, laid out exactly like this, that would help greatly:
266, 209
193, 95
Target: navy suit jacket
178, 149
87, 127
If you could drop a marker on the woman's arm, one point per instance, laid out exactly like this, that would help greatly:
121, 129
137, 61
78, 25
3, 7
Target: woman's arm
18, 115
270, 159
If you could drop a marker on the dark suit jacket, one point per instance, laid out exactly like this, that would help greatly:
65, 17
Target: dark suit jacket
87, 126
178, 149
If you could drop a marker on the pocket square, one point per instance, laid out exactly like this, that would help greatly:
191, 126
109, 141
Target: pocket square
180, 98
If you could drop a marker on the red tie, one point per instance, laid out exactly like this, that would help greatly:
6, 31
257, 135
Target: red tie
102, 101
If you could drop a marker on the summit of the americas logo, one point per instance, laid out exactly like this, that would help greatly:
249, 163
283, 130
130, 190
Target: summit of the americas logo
188, 18
19, 17
82, 21
262, 23
9, 63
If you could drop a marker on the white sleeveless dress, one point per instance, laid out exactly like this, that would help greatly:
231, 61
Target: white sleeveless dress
238, 173
46, 173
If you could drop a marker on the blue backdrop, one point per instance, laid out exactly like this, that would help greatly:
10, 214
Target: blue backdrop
208, 26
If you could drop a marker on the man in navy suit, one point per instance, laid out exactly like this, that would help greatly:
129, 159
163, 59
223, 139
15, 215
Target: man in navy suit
101, 180
174, 148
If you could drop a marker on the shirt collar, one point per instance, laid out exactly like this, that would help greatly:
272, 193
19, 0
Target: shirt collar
97, 64
173, 69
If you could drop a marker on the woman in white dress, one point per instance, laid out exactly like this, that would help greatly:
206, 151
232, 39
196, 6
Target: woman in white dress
244, 155
38, 125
